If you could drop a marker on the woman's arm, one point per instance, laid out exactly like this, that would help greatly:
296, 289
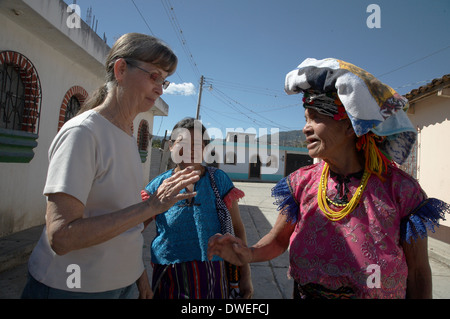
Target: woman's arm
270, 246
275, 242
419, 282
67, 230
238, 225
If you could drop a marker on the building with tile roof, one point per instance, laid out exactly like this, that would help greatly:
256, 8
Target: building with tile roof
429, 162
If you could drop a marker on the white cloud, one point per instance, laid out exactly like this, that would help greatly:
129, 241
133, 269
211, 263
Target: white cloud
180, 89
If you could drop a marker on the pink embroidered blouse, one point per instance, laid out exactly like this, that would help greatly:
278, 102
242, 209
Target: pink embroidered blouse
348, 253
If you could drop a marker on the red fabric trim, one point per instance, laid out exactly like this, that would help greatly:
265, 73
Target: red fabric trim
144, 195
234, 194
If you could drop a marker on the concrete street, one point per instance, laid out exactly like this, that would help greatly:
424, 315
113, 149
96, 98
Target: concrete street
259, 214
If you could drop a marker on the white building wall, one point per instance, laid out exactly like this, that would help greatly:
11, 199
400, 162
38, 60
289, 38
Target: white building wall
247, 151
63, 58
22, 202
432, 117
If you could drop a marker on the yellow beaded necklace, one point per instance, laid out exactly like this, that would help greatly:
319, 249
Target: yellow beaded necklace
349, 207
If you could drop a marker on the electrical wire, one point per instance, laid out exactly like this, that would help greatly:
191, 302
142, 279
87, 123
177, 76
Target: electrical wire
224, 98
415, 61
170, 12
250, 110
143, 18
221, 96
412, 84
245, 87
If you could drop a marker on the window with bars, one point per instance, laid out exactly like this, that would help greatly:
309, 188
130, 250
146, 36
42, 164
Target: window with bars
20, 107
143, 140
12, 97
20, 93
71, 104
72, 109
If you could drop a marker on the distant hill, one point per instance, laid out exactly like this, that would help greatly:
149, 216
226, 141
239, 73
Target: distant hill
158, 138
156, 141
294, 138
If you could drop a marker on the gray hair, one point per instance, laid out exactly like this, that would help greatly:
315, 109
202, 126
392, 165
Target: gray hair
137, 47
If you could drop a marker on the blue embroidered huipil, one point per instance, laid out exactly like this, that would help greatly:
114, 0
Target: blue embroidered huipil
182, 232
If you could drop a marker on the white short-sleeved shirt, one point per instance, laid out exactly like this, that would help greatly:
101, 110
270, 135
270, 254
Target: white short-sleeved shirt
96, 162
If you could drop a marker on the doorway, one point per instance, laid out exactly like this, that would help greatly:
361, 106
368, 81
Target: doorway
255, 169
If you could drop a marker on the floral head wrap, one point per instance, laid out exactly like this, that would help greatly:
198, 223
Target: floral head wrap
376, 111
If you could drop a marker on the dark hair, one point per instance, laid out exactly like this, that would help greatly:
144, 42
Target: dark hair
137, 47
190, 123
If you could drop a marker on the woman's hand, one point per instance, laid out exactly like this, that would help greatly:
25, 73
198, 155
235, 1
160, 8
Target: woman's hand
230, 248
145, 292
168, 193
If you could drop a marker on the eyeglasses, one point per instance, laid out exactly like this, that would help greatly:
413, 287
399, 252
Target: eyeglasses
155, 76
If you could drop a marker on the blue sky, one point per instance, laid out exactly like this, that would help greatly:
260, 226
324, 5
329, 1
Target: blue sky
244, 48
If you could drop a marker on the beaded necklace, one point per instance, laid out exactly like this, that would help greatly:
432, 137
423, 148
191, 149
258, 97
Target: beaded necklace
347, 208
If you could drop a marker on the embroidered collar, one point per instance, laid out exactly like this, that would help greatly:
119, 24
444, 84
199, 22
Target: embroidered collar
342, 181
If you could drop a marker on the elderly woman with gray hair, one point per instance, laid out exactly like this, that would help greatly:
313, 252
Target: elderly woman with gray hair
95, 215
355, 224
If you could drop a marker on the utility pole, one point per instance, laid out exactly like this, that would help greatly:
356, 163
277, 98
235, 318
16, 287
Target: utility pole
199, 97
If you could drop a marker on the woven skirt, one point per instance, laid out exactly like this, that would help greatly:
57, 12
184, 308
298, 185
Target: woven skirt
190, 280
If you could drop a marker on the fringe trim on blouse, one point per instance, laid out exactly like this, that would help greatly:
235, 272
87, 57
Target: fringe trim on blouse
233, 194
424, 217
284, 199
144, 195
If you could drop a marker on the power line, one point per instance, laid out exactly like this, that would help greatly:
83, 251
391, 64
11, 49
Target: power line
143, 18
245, 87
412, 84
415, 61
211, 117
226, 115
170, 12
160, 124
145, 21
231, 102
250, 110
277, 108
246, 118
227, 102
250, 120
